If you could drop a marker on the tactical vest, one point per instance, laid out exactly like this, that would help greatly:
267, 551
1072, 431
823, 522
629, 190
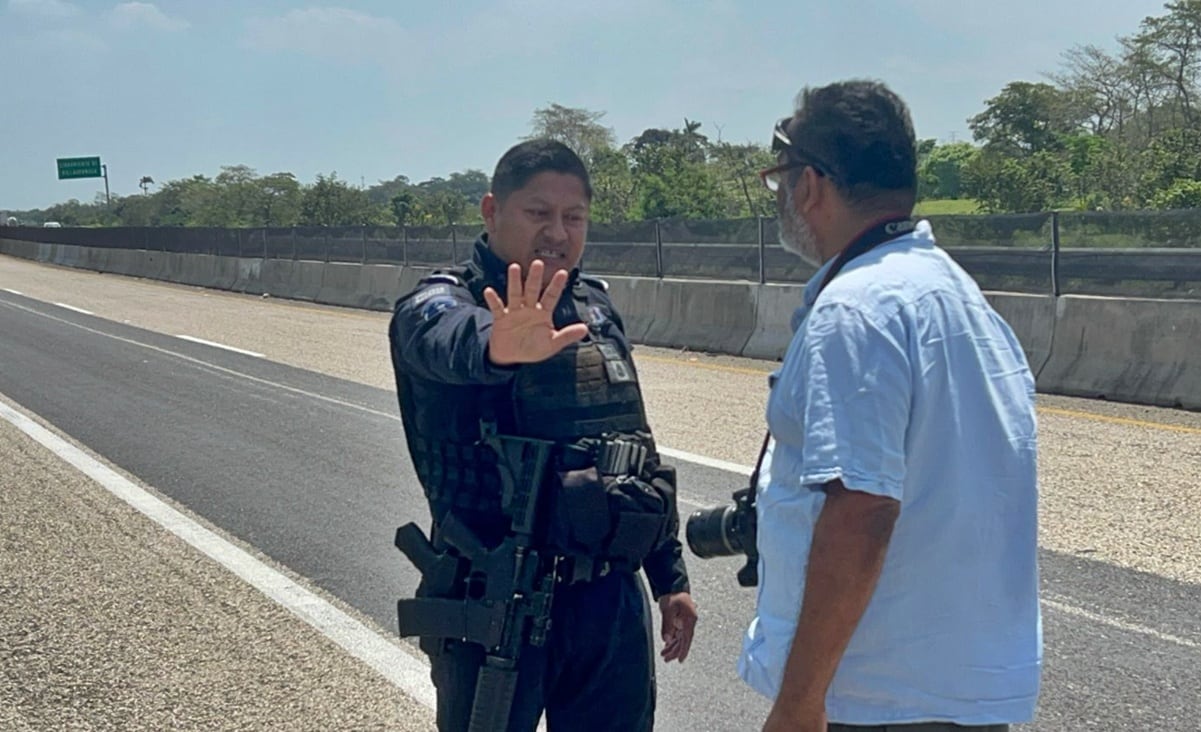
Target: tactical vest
587, 390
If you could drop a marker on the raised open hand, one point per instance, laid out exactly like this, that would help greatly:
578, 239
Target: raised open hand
523, 331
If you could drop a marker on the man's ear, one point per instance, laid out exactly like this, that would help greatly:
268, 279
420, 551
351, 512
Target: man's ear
808, 192
488, 208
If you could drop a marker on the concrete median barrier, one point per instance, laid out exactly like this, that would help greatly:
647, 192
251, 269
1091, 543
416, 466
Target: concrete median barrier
715, 317
307, 277
634, 298
153, 266
65, 255
1142, 351
16, 248
173, 269
275, 276
340, 284
772, 333
198, 270
249, 276
1032, 318
295, 280
225, 272
369, 286
410, 277
126, 262
94, 258
117, 262
99, 259
381, 285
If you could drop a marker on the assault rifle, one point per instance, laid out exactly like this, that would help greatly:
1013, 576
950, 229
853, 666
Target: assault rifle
509, 588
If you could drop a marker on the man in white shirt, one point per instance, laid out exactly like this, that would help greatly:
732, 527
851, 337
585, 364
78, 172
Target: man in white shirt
897, 503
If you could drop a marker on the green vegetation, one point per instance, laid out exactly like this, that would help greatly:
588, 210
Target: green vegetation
946, 207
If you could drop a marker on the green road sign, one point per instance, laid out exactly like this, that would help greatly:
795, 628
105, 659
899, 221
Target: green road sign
78, 168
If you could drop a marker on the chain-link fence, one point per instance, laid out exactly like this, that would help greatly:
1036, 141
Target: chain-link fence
1142, 254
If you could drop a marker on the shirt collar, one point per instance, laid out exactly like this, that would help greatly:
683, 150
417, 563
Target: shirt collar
813, 286
496, 269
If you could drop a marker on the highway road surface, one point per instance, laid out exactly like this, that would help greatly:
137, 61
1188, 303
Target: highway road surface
198, 492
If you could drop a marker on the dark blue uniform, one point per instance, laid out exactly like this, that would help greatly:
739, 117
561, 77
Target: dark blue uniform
596, 672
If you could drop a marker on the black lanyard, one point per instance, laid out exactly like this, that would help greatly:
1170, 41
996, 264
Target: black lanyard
874, 236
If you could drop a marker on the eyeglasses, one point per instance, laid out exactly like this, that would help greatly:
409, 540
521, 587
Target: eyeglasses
773, 177
782, 143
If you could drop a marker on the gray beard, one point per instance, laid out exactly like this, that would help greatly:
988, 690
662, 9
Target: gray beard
796, 236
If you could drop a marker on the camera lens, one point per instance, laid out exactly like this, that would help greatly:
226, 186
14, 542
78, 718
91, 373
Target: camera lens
711, 533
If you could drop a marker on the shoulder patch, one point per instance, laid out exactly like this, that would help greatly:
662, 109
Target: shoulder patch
430, 292
595, 282
436, 305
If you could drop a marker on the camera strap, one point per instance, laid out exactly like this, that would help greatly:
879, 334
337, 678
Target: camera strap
870, 238
759, 463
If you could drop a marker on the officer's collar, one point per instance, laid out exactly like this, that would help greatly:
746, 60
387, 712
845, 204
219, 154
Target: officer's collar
496, 269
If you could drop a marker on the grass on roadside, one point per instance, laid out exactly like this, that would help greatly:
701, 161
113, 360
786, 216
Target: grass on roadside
946, 207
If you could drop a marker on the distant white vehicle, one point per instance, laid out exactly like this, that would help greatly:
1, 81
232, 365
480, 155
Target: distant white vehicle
52, 225
11, 221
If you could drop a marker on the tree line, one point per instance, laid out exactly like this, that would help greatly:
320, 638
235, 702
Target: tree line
1111, 129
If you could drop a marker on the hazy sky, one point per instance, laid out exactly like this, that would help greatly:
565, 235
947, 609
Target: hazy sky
376, 89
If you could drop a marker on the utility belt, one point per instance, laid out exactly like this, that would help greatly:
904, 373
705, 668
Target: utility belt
570, 570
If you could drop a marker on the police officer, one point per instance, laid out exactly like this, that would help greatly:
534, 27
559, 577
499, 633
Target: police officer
520, 336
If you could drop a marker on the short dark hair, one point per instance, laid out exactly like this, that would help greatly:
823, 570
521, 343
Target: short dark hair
527, 159
862, 132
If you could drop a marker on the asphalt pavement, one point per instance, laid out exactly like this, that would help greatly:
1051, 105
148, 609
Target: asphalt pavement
310, 470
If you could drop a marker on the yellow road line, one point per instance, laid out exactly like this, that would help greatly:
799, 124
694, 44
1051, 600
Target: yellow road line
1077, 414
1121, 420
709, 366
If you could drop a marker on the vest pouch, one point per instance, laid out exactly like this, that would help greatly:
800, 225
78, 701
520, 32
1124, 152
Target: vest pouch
579, 514
617, 518
639, 515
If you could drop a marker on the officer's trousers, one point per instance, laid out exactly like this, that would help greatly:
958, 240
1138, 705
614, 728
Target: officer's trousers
596, 672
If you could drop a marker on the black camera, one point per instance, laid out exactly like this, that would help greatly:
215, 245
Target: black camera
725, 531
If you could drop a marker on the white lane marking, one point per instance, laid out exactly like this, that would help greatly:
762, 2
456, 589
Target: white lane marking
676, 454
1052, 602
405, 671
15, 292
690, 502
208, 365
708, 462
214, 344
72, 307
